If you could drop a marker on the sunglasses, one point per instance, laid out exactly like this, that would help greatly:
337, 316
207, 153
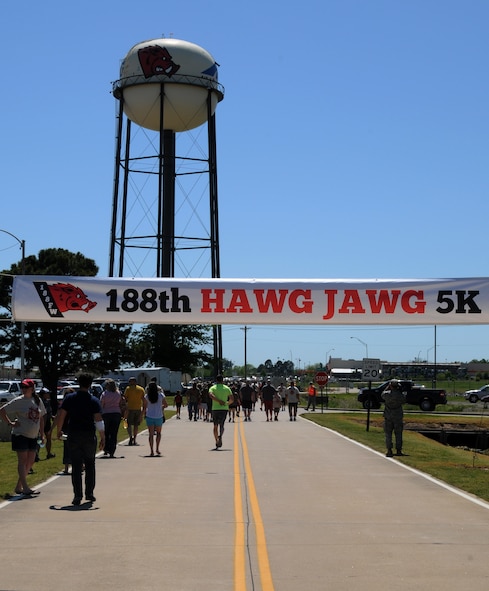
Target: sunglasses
25, 387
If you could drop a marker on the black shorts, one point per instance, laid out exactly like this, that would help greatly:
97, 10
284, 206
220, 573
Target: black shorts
21, 443
247, 404
47, 424
219, 417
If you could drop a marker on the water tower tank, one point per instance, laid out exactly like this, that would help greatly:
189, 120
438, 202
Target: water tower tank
183, 71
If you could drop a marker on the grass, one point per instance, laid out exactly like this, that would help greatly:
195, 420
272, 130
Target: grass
44, 469
465, 469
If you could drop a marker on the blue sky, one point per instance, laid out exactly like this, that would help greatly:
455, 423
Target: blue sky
352, 142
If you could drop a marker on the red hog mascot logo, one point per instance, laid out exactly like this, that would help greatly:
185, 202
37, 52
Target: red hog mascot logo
60, 298
156, 61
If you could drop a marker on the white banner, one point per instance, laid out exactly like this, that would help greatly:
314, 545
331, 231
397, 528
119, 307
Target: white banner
251, 301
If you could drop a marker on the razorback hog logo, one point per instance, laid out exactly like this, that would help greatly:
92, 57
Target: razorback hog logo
156, 61
67, 297
62, 297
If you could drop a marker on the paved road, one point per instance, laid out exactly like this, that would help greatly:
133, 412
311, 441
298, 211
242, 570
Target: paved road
282, 506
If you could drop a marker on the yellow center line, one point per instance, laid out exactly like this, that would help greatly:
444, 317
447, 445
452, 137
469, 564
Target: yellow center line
261, 543
239, 536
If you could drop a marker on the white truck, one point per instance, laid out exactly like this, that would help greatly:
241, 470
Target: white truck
169, 380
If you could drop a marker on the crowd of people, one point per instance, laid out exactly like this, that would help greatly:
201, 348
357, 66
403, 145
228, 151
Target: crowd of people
246, 395
81, 415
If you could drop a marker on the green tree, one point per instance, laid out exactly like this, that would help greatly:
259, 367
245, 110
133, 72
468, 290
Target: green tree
60, 349
173, 346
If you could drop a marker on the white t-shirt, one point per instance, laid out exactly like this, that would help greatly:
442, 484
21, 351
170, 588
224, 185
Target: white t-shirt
293, 394
28, 414
154, 410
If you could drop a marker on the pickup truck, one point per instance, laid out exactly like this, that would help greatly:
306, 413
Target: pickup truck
420, 396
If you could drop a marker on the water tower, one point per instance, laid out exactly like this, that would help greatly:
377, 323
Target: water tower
165, 209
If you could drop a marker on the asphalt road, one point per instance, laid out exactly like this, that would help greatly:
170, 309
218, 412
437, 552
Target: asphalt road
281, 506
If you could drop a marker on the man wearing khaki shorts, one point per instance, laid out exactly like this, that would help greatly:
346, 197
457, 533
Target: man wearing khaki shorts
134, 396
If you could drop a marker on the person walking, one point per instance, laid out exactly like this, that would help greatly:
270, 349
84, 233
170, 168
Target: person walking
111, 403
393, 416
204, 394
221, 396
311, 396
193, 398
85, 417
134, 395
233, 406
293, 399
45, 395
247, 395
154, 405
267, 394
277, 404
25, 415
281, 390
178, 403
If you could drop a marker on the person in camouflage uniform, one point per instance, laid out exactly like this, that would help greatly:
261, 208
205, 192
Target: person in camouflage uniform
393, 416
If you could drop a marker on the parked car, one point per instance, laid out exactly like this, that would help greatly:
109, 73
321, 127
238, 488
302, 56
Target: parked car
476, 395
64, 383
9, 389
95, 389
10, 386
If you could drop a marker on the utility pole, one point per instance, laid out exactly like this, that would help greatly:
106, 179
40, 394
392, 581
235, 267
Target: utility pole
246, 329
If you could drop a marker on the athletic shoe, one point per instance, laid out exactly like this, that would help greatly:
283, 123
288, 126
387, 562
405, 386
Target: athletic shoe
219, 442
76, 501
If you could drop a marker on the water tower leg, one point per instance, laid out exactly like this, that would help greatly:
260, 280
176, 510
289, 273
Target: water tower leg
167, 197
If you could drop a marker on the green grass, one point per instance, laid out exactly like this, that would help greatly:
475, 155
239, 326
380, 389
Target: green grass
461, 468
44, 469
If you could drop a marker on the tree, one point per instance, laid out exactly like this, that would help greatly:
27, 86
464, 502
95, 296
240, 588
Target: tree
60, 349
173, 346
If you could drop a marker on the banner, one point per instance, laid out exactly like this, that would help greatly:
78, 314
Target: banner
38, 298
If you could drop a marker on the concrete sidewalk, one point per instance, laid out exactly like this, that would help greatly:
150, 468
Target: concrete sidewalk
283, 505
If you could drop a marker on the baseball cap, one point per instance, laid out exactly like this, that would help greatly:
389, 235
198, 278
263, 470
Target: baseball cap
28, 383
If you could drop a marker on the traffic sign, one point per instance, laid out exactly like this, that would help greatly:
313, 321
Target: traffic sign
371, 369
321, 378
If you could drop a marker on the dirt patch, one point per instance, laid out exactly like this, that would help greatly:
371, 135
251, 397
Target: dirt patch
437, 426
415, 425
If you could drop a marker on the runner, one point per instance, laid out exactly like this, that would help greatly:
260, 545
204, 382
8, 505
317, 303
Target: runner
221, 396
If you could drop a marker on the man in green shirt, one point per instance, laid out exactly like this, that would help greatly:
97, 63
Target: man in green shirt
221, 395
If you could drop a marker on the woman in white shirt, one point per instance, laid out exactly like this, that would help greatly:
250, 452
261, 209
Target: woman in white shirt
154, 404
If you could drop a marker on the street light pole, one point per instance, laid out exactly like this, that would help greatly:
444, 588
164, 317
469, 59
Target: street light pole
364, 344
22, 324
